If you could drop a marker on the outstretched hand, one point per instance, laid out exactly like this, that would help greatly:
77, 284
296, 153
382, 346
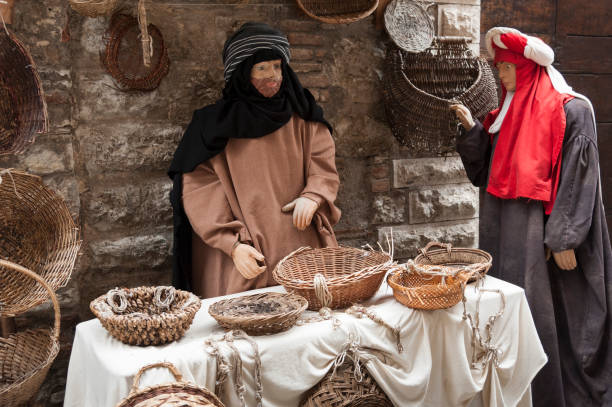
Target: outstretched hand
464, 116
245, 259
303, 211
566, 260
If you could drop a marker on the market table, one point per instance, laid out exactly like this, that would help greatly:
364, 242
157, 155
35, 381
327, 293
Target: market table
434, 368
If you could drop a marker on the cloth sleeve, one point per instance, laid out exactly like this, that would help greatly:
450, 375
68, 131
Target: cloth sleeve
474, 147
209, 211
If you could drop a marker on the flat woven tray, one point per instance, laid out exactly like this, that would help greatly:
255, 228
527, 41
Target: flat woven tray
259, 314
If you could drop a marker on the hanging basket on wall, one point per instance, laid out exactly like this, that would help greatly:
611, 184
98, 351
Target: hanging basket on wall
23, 111
94, 8
409, 25
338, 11
419, 88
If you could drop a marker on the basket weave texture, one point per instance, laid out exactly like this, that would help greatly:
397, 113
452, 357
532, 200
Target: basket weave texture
338, 11
23, 110
409, 25
26, 356
139, 319
455, 257
259, 314
343, 390
37, 232
178, 394
350, 275
94, 8
419, 88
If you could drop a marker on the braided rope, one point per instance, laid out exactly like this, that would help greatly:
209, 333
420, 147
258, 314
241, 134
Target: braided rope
359, 311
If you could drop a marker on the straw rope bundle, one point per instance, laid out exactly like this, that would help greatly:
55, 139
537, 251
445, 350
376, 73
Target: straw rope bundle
338, 11
409, 25
456, 257
94, 8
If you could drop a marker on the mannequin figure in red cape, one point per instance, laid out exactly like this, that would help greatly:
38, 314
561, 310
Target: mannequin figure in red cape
542, 217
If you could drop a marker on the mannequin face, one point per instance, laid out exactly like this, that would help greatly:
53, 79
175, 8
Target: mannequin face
507, 75
267, 77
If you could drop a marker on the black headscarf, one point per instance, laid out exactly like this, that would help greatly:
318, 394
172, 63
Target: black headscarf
242, 112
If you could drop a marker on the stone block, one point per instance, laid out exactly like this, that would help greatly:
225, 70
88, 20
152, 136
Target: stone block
315, 80
300, 67
379, 171
381, 185
300, 38
411, 173
389, 208
459, 20
131, 251
446, 202
301, 54
68, 188
45, 156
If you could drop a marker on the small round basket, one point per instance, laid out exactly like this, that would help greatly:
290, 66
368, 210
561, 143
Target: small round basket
456, 257
25, 357
338, 11
37, 232
347, 274
178, 394
409, 25
259, 314
94, 8
146, 315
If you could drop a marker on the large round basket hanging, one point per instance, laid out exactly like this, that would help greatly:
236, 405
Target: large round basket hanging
94, 8
419, 88
23, 111
338, 11
123, 57
409, 25
37, 232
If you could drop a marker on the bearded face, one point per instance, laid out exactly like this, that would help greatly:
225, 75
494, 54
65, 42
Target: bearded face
267, 77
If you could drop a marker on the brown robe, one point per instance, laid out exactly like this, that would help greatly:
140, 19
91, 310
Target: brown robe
239, 193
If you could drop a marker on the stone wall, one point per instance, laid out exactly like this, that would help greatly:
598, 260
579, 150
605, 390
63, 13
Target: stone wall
107, 151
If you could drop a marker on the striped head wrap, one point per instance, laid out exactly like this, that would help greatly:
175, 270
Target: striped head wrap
249, 39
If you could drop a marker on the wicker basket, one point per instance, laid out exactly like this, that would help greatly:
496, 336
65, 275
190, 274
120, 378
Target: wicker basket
419, 88
259, 314
409, 25
37, 232
455, 257
25, 357
343, 390
146, 315
338, 11
178, 394
94, 8
349, 275
23, 110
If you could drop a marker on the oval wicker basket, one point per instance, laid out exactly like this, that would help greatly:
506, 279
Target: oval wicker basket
94, 8
409, 25
350, 275
37, 232
25, 357
455, 257
338, 11
259, 314
178, 394
142, 318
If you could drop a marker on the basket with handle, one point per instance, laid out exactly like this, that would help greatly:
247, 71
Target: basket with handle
177, 394
94, 8
338, 11
26, 356
455, 257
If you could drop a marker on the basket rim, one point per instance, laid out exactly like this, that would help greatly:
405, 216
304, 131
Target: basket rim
342, 18
456, 281
300, 304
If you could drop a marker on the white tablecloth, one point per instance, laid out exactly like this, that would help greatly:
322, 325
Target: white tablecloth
433, 370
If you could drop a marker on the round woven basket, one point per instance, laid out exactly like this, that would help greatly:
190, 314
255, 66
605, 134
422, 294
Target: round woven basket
94, 8
409, 25
259, 314
338, 11
343, 390
178, 394
141, 316
37, 232
23, 110
25, 357
350, 275
455, 257
419, 88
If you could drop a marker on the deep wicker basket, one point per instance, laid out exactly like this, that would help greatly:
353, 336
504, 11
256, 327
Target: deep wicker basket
343, 390
37, 232
338, 11
94, 8
26, 356
23, 110
140, 316
419, 88
455, 257
259, 314
350, 275
409, 25
178, 394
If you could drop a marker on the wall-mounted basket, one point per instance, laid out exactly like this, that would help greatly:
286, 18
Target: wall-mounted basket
338, 11
94, 8
409, 25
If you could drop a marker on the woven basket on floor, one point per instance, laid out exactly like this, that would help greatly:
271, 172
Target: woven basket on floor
23, 110
455, 257
419, 88
259, 314
26, 356
409, 25
37, 232
338, 11
94, 8
350, 275
146, 315
343, 390
178, 394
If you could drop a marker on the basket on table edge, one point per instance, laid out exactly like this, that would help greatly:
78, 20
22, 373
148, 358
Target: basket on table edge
26, 356
177, 394
142, 317
455, 257
94, 8
350, 275
259, 314
338, 11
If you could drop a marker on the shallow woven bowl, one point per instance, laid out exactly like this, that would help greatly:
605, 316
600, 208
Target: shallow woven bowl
259, 314
143, 323
409, 25
338, 11
416, 291
457, 257
94, 8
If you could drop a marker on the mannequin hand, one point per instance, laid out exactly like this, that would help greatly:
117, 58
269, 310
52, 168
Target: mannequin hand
464, 116
303, 211
245, 259
566, 260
